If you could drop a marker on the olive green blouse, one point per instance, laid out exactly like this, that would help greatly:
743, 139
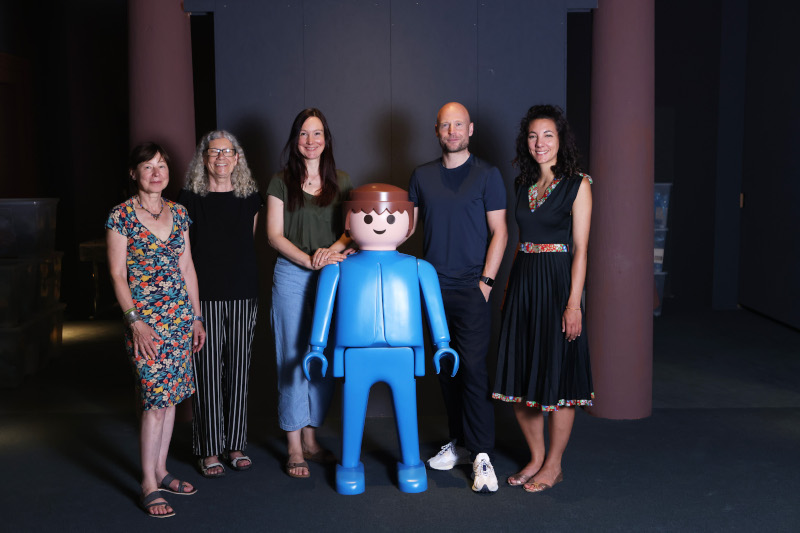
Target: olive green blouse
311, 227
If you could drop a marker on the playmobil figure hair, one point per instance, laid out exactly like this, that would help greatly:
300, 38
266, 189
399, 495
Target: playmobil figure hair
379, 197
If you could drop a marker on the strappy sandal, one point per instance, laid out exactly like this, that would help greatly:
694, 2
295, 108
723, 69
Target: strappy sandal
518, 479
290, 466
204, 468
168, 479
536, 486
148, 502
234, 462
323, 456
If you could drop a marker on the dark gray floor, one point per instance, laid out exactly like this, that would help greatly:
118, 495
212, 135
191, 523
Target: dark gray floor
719, 453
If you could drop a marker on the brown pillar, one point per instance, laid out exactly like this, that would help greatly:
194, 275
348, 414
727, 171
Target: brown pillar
619, 285
160, 82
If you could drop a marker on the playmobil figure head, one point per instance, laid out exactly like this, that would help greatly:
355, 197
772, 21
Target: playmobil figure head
378, 216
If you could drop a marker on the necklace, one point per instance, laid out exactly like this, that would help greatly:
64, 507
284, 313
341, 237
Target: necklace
310, 187
154, 215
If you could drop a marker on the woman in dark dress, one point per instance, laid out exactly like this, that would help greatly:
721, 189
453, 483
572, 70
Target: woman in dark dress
223, 200
543, 360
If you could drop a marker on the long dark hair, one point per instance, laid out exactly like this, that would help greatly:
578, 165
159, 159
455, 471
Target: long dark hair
566, 166
294, 170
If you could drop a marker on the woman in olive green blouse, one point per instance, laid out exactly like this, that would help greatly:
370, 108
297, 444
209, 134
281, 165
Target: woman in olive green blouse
304, 224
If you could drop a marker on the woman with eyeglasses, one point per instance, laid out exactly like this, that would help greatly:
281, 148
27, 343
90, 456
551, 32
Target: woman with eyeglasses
150, 262
223, 200
304, 224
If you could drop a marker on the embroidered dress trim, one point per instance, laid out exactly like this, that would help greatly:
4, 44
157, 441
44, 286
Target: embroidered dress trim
533, 194
548, 408
533, 248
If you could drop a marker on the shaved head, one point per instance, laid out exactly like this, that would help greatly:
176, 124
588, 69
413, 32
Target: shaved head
453, 128
454, 108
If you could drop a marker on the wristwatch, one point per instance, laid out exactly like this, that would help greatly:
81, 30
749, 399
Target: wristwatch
487, 280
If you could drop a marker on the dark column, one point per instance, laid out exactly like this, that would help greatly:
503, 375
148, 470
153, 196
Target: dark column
619, 284
160, 79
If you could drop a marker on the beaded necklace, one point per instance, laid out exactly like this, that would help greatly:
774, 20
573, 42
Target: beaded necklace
154, 215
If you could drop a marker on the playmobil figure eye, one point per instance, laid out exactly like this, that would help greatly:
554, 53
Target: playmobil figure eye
368, 219
390, 219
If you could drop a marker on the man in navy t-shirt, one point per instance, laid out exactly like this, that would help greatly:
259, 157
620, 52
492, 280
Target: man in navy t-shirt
462, 203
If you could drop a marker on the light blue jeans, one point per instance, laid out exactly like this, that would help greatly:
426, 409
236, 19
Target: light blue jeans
301, 402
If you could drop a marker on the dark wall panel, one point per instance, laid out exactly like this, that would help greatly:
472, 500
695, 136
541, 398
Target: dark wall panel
770, 256
434, 51
350, 81
260, 75
687, 54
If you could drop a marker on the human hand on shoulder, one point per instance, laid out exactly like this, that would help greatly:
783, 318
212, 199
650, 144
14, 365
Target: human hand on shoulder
324, 257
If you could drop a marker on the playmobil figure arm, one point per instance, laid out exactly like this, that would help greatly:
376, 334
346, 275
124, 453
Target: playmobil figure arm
323, 311
445, 349
315, 353
429, 282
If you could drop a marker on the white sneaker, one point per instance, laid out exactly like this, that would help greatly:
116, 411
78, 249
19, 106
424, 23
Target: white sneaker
483, 473
449, 456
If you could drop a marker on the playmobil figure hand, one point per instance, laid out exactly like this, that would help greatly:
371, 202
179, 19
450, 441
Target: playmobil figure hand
315, 353
444, 349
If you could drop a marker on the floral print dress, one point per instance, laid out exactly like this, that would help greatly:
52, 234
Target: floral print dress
160, 296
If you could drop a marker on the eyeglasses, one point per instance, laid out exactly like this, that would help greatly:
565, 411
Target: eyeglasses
216, 152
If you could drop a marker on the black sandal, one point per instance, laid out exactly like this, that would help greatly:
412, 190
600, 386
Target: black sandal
234, 462
169, 478
147, 502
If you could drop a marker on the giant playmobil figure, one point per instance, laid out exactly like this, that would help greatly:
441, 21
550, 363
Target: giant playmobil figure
378, 328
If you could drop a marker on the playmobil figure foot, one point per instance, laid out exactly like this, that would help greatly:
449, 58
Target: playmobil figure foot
350, 480
412, 478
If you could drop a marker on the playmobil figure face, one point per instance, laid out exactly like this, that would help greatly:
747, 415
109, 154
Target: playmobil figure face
373, 231
378, 216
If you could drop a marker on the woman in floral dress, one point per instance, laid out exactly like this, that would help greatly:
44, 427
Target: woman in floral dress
155, 283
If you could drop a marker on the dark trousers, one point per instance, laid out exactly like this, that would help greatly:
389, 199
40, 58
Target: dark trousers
222, 373
467, 396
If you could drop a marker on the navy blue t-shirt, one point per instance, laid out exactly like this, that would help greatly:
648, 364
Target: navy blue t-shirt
452, 208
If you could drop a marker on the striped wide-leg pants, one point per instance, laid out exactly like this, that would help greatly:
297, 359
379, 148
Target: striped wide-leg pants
222, 371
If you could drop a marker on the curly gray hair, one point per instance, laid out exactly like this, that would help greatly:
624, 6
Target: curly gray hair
197, 177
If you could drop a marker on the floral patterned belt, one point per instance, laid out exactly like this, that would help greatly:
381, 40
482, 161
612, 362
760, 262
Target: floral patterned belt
533, 248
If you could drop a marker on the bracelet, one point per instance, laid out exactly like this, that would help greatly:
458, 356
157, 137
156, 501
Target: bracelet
131, 316
200, 318
125, 312
573, 308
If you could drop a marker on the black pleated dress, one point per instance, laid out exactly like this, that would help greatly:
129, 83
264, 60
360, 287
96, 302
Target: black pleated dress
535, 363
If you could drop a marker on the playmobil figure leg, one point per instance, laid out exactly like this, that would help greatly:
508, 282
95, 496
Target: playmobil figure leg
411, 474
357, 382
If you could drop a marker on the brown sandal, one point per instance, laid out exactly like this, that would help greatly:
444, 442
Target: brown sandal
323, 456
541, 487
519, 479
304, 464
